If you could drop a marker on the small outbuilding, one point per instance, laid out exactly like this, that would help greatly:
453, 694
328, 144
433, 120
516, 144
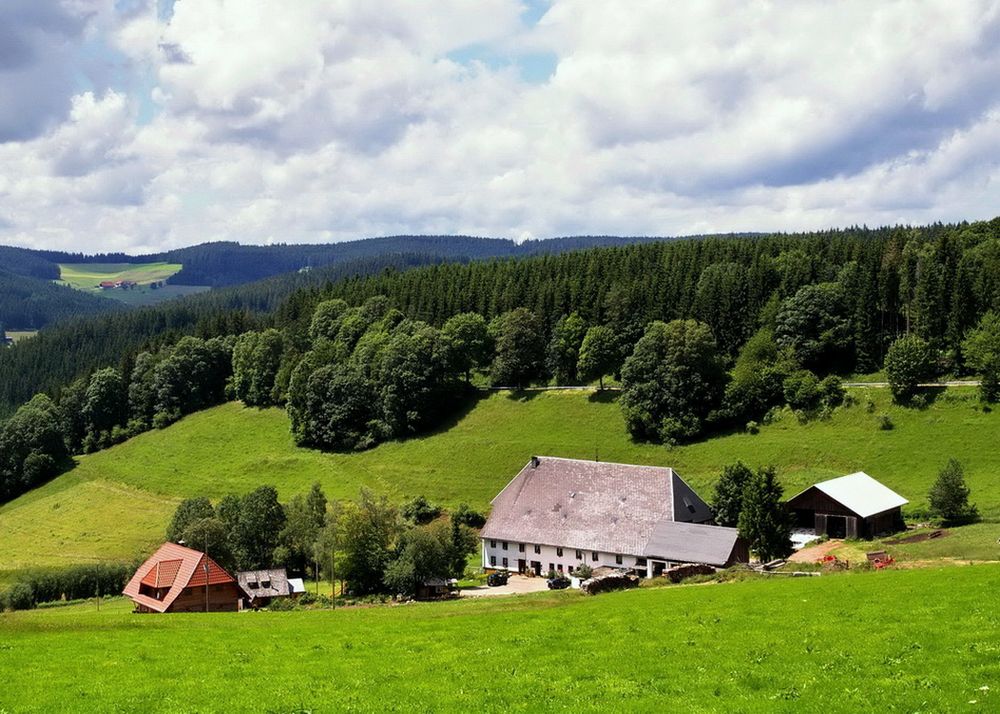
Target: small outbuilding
436, 588
674, 543
179, 579
263, 586
853, 506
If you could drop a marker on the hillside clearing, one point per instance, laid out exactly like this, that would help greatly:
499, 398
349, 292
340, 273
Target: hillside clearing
88, 277
231, 449
901, 641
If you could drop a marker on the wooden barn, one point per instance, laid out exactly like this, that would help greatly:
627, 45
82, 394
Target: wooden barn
853, 506
179, 579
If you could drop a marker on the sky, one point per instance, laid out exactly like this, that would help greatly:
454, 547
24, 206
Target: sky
143, 125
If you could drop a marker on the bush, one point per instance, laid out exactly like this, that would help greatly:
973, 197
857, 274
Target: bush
885, 423
907, 363
420, 511
802, 390
752, 427
19, 597
583, 572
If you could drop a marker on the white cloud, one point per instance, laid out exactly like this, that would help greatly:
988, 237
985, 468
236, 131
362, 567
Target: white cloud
317, 121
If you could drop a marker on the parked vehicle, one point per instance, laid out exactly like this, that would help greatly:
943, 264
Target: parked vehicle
495, 580
559, 582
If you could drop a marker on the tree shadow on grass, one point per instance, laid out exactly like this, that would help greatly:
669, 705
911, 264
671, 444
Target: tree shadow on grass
603, 396
523, 395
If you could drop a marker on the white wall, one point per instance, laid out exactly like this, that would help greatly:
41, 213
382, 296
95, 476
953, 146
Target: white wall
548, 554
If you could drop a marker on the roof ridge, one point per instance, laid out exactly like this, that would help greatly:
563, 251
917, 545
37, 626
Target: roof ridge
607, 463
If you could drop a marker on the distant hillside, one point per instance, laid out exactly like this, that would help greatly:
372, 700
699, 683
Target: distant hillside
30, 303
224, 264
227, 263
76, 347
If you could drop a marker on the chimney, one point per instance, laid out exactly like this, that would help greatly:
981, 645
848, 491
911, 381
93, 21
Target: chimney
534, 462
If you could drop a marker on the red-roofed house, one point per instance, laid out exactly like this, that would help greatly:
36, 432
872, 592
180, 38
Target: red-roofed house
179, 579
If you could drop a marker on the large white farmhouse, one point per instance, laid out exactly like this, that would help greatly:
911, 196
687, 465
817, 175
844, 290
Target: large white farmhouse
558, 514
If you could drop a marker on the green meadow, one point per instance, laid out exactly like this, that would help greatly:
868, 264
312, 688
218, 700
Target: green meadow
115, 504
910, 640
88, 277
18, 335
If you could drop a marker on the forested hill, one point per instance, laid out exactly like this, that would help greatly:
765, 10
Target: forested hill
59, 354
31, 302
227, 263
868, 286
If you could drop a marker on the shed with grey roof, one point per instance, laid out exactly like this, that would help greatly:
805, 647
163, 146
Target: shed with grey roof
852, 506
676, 542
262, 586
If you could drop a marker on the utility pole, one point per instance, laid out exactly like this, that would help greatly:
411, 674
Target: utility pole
206, 570
333, 573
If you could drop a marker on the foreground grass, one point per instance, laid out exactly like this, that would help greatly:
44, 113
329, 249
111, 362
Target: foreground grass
919, 640
231, 449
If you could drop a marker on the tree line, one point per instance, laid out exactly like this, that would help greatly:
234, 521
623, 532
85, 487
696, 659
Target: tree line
369, 544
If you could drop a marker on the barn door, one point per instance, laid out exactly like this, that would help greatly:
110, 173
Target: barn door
820, 524
852, 527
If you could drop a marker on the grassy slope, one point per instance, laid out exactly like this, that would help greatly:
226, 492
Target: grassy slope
232, 449
18, 335
921, 640
87, 276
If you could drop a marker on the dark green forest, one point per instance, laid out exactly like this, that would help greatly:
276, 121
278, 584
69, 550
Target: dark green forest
27, 303
704, 335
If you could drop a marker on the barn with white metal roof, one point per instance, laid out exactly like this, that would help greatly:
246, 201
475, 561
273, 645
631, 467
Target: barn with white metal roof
852, 506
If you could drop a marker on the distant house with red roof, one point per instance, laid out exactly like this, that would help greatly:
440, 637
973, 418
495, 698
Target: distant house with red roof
108, 284
179, 579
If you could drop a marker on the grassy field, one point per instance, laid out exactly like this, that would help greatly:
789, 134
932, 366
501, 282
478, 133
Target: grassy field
88, 276
919, 640
18, 335
117, 502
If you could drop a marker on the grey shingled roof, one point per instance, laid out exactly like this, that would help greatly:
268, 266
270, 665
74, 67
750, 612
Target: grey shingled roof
590, 505
691, 543
276, 578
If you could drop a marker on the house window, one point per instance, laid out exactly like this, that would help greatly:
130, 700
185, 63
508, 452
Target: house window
559, 552
618, 559
493, 560
493, 544
579, 555
504, 545
640, 561
593, 556
538, 549
551, 567
559, 567
570, 569
505, 562
520, 547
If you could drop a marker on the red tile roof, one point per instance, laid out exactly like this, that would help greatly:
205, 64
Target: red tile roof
176, 567
162, 574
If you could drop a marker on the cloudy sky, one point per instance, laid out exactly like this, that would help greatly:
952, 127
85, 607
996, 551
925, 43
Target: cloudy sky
147, 124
